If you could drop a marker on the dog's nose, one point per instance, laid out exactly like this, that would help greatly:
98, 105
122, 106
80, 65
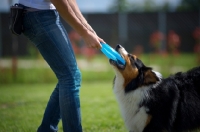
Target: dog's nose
118, 47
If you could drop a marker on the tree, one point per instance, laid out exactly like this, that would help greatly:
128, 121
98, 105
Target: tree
120, 6
149, 6
189, 5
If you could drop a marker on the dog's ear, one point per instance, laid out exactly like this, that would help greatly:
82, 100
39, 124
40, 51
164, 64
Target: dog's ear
150, 77
146, 76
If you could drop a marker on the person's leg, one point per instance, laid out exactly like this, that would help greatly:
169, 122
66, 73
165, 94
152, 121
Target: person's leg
45, 30
52, 113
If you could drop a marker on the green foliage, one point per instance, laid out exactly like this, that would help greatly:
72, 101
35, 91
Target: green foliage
120, 6
151, 6
189, 5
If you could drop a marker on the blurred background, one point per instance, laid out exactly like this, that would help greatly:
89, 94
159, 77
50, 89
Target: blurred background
165, 34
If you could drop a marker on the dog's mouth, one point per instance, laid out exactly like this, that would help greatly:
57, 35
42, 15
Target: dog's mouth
118, 64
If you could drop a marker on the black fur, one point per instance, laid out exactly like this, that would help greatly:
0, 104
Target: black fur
139, 80
174, 103
132, 85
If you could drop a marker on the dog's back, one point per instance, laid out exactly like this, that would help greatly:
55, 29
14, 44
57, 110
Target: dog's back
175, 103
188, 110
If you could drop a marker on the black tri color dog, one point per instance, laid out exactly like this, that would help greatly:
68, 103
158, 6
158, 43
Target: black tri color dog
149, 103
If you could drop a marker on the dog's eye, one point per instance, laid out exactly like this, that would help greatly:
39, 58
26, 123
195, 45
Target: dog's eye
131, 57
138, 63
133, 61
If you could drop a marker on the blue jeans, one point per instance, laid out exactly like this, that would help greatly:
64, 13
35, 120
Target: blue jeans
46, 31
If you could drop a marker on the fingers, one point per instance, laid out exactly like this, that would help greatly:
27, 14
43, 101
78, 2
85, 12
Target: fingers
96, 46
101, 40
93, 41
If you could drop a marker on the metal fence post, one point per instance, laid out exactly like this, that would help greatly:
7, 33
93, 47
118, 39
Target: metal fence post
199, 17
162, 27
122, 27
0, 38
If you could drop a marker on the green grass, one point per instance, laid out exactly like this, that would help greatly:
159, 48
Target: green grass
23, 98
22, 107
169, 64
96, 69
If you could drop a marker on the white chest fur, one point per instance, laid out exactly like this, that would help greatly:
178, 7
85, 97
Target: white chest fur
135, 117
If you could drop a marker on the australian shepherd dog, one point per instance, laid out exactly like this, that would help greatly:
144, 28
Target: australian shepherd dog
150, 103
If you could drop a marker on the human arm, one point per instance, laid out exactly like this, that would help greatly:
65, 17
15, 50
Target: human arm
70, 12
79, 15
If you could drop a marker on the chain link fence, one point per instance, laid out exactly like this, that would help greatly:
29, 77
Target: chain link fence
132, 30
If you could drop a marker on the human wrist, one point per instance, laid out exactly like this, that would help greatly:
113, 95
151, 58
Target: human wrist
84, 33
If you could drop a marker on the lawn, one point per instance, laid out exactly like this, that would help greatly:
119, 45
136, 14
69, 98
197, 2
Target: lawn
24, 96
96, 69
22, 107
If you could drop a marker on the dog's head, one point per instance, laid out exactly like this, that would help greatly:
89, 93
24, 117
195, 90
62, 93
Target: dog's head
134, 73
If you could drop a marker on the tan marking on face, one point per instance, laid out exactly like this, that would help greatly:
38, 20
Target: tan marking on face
148, 120
150, 77
130, 72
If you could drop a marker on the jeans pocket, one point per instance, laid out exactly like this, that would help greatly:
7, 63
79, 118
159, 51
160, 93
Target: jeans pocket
28, 28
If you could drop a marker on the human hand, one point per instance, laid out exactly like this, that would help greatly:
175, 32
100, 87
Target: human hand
92, 40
